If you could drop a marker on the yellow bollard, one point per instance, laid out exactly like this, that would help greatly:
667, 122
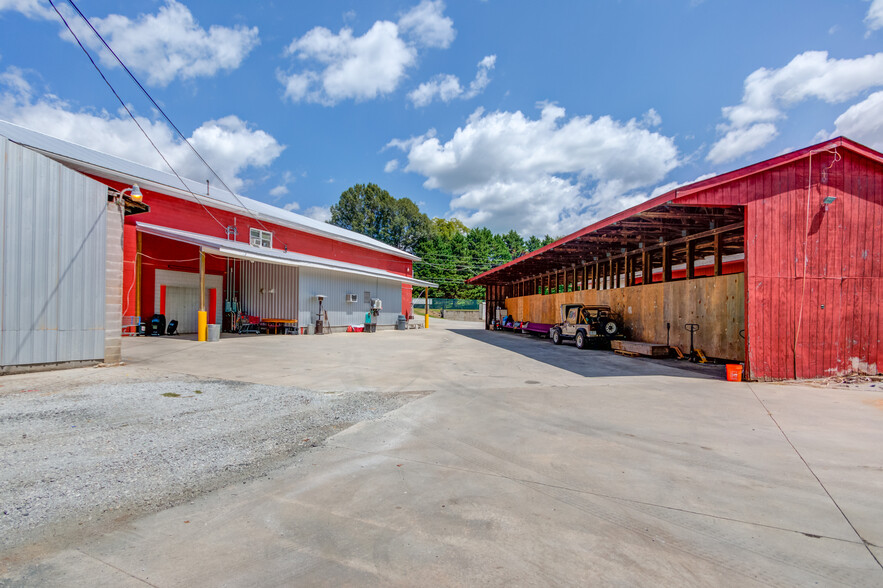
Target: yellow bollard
203, 325
426, 308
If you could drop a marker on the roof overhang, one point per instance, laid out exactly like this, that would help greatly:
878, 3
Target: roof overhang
671, 218
248, 252
644, 228
109, 168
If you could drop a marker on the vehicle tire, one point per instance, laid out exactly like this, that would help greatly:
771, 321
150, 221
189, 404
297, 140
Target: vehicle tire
556, 337
610, 329
581, 340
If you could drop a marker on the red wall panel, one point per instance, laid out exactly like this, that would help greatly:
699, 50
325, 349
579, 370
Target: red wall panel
175, 213
165, 254
129, 248
813, 275
160, 253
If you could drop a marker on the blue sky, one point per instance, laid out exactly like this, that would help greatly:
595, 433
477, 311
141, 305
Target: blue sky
540, 117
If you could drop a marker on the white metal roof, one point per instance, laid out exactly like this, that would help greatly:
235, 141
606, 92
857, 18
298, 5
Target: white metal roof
240, 250
115, 168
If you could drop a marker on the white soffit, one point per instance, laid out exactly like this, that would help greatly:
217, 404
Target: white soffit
246, 251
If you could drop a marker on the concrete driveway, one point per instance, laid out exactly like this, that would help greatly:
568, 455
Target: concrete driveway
528, 464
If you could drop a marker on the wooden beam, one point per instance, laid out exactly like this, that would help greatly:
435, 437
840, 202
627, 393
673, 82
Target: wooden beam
666, 263
646, 268
691, 260
138, 274
718, 255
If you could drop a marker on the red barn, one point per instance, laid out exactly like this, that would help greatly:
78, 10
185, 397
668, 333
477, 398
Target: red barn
780, 263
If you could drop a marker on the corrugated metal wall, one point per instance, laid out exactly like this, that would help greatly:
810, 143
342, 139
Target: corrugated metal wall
268, 290
52, 261
824, 320
335, 286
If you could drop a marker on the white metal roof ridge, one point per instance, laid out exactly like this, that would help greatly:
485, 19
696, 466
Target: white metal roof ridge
240, 250
85, 159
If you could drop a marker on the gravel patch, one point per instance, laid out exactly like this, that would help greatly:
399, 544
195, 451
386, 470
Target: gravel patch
75, 459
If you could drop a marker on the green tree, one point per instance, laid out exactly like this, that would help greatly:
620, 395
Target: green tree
450, 252
515, 244
372, 211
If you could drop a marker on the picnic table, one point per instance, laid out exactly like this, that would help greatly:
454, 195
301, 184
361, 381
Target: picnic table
287, 325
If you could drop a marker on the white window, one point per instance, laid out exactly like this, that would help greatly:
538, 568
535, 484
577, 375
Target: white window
259, 238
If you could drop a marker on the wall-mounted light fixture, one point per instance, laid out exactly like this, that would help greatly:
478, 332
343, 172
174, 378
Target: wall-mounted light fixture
134, 192
828, 200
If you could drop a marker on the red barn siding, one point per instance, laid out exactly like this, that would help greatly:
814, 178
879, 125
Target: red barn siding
175, 213
129, 250
165, 254
843, 268
181, 214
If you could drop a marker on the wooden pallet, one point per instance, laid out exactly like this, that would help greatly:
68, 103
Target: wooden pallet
640, 348
626, 353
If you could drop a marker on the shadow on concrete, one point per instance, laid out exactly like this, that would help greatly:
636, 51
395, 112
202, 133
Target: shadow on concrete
591, 363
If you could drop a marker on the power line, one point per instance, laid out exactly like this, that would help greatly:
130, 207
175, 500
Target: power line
160, 110
129, 112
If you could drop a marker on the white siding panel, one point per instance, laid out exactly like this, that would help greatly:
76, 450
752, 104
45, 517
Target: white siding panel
335, 286
268, 290
52, 253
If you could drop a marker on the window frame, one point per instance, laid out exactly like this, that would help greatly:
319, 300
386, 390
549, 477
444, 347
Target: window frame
257, 238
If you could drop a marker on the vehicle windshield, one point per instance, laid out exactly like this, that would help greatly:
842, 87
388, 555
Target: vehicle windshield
589, 315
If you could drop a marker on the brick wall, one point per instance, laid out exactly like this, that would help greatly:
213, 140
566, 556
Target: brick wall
113, 299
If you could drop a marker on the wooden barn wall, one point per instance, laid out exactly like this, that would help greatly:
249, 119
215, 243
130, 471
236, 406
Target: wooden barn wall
824, 320
716, 304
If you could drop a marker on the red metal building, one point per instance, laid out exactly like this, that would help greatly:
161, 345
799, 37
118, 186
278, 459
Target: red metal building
811, 239
258, 259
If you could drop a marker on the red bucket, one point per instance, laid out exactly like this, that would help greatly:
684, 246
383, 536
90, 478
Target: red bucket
734, 372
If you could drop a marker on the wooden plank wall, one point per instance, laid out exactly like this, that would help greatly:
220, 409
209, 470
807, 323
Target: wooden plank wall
717, 304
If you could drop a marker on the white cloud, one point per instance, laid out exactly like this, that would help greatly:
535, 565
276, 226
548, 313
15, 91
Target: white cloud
360, 68
282, 189
741, 140
391, 165
549, 175
651, 118
444, 86
292, 206
863, 122
319, 213
30, 8
428, 26
170, 44
228, 143
874, 18
482, 78
343, 66
770, 93
447, 87
167, 45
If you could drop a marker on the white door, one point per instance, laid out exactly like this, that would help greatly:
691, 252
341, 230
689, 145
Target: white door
182, 298
182, 304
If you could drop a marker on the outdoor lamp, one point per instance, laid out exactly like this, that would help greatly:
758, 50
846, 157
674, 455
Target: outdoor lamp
134, 192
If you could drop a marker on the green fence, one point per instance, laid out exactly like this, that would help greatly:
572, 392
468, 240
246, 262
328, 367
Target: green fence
447, 304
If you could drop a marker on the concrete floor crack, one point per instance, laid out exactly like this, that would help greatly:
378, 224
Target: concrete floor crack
814, 475
120, 570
